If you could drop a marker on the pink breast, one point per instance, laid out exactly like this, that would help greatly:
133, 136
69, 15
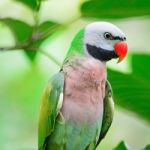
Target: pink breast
84, 92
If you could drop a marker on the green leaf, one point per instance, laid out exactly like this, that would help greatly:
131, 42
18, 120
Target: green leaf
131, 91
47, 28
47, 25
28, 39
21, 30
43, 31
33, 4
31, 55
147, 147
115, 8
22, 33
121, 146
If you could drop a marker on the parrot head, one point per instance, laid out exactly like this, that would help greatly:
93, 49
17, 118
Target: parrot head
101, 40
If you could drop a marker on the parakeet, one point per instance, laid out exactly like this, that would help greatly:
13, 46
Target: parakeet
77, 105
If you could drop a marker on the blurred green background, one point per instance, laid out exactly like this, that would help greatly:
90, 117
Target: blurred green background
34, 38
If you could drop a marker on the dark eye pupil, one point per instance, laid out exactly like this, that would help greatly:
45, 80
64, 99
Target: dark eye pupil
107, 35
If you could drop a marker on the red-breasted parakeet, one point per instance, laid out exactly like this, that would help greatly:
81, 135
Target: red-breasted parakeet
77, 105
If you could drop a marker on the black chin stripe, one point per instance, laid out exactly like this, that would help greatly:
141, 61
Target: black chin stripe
99, 53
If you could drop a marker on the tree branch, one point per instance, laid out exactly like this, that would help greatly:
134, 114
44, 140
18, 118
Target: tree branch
35, 36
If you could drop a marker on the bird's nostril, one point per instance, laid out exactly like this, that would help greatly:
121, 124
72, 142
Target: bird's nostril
123, 38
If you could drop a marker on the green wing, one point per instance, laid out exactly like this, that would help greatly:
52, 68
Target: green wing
51, 103
108, 112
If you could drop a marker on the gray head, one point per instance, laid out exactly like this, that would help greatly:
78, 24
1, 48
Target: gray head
104, 41
100, 40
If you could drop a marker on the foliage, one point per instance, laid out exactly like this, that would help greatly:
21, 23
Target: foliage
115, 9
133, 88
147, 147
131, 91
33, 4
121, 146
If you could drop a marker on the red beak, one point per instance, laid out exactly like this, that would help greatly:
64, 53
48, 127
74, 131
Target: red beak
121, 49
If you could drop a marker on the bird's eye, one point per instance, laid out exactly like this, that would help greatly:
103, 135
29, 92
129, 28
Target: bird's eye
108, 36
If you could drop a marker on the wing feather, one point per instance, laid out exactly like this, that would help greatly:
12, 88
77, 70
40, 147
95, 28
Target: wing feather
52, 100
108, 112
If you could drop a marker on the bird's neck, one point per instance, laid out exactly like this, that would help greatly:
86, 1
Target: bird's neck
77, 44
81, 64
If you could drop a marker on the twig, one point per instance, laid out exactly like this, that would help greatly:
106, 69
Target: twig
36, 36
15, 48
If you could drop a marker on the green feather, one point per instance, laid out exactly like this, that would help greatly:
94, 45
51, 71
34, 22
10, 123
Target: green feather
77, 44
55, 133
70, 136
108, 112
49, 110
